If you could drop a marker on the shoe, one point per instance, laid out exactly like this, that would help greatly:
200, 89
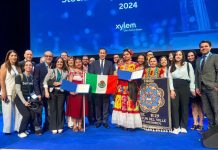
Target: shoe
54, 131
194, 127
60, 130
106, 125
22, 135
199, 128
175, 131
183, 130
38, 132
97, 125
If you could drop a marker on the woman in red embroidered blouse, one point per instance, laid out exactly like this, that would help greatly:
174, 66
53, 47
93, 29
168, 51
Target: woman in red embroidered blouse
75, 101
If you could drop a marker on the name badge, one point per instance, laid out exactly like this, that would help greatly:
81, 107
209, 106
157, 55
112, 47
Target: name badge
33, 96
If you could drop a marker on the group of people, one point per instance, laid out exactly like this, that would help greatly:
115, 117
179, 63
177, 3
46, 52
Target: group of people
27, 88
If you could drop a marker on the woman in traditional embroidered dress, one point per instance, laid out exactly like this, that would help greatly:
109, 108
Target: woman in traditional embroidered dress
153, 71
126, 107
75, 100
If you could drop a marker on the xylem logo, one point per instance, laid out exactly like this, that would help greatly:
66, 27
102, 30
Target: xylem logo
127, 27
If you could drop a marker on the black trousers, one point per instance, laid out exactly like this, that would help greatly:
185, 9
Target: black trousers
101, 108
180, 105
27, 115
56, 110
209, 99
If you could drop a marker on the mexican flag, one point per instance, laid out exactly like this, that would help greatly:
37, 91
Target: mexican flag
102, 84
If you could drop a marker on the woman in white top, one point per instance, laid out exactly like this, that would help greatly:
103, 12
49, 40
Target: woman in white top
9, 70
181, 79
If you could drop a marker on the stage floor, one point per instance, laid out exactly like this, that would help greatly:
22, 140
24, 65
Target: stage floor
104, 139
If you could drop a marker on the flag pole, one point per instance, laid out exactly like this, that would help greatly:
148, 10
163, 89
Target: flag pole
84, 117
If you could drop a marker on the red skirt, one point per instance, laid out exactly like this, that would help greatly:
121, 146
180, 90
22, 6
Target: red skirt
75, 105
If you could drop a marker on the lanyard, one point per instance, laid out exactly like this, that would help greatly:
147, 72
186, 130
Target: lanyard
59, 75
15, 71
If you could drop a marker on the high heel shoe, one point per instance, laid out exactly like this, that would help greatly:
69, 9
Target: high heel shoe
194, 127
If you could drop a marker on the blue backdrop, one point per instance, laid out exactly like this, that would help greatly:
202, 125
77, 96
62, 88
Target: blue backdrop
83, 26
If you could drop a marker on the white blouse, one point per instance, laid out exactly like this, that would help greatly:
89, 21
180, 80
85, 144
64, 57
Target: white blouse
181, 72
10, 80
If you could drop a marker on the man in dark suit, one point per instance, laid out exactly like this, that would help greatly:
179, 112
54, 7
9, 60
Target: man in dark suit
207, 82
102, 67
28, 56
40, 72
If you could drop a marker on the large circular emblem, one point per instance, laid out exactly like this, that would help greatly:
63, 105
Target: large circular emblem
151, 98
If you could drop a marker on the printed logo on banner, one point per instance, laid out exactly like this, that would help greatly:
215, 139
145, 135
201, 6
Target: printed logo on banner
152, 98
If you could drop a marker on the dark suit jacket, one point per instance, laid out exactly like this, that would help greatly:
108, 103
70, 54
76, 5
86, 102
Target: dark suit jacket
39, 75
209, 74
108, 68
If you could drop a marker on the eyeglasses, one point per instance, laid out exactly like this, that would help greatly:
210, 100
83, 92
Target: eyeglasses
48, 56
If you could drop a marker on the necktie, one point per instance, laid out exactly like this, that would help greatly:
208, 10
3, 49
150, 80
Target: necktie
203, 62
102, 67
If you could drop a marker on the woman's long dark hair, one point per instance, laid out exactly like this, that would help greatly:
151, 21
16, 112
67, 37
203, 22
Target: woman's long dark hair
194, 55
173, 66
64, 64
77, 58
193, 62
7, 61
171, 61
